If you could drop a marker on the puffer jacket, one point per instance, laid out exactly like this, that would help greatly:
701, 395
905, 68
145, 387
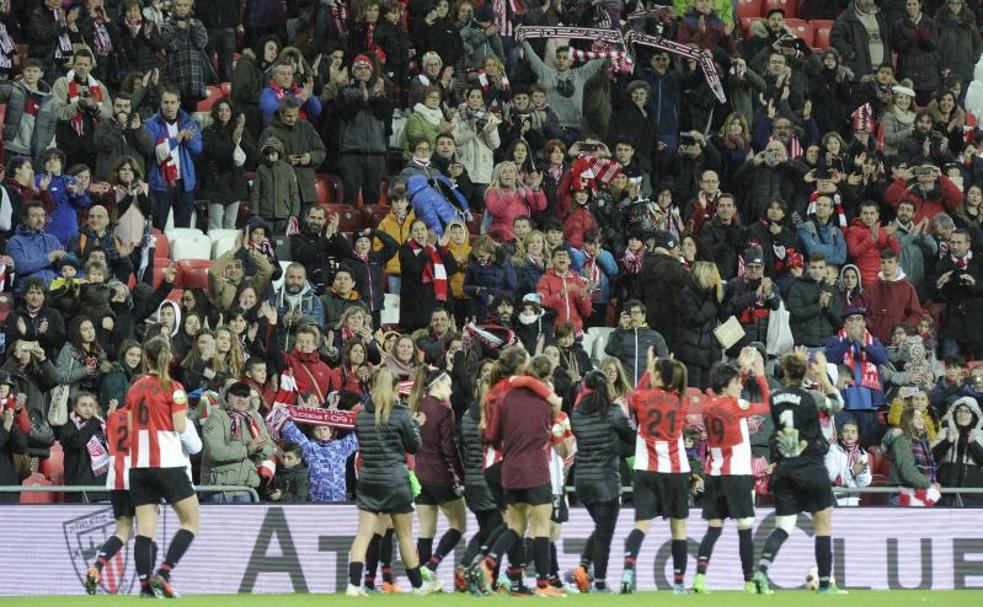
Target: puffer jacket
326, 461
156, 128
960, 461
478, 496
484, 283
29, 250
865, 251
698, 313
662, 278
399, 232
384, 447
631, 348
917, 48
959, 42
225, 460
28, 137
601, 438
811, 325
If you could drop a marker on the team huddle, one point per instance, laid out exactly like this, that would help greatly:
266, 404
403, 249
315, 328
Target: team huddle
506, 463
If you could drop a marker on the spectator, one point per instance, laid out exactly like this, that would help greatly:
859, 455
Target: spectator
285, 83
220, 19
310, 373
476, 138
84, 440
227, 151
396, 224
82, 361
185, 39
123, 135
33, 250
365, 110
290, 485
959, 40
632, 339
776, 238
891, 299
930, 192
48, 30
898, 121
427, 119
275, 193
249, 78
820, 235
226, 277
751, 298
80, 103
861, 35
916, 39
18, 185
320, 247
867, 241
768, 175
662, 278
599, 271
66, 193
36, 375
126, 368
12, 442
235, 444
29, 125
724, 237
302, 146
956, 281
813, 306
326, 455
507, 198
958, 449
139, 41
912, 464
425, 266
564, 291
172, 180
847, 463
340, 297
861, 352
918, 246
699, 309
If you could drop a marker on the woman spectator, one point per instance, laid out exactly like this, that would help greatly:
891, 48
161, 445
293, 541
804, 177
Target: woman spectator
427, 120
530, 261
195, 300
554, 168
235, 444
958, 449
100, 35
140, 45
522, 156
228, 150
733, 143
507, 198
603, 434
438, 34
199, 366
191, 326
573, 359
834, 84
919, 399
948, 118
898, 121
34, 370
959, 40
460, 247
134, 224
850, 289
228, 352
969, 216
86, 452
834, 155
355, 325
404, 358
116, 383
185, 39
915, 39
48, 30
699, 308
476, 136
689, 247
425, 265
68, 195
489, 275
251, 75
12, 442
495, 84
18, 182
355, 369
635, 120
82, 362
907, 448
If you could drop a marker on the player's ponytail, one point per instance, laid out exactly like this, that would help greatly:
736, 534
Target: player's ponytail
419, 389
672, 375
157, 359
383, 393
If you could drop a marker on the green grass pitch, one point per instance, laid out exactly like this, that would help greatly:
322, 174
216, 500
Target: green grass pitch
866, 598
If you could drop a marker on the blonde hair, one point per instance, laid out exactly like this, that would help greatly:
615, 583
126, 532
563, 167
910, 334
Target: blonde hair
731, 119
497, 175
522, 248
157, 359
621, 384
382, 390
235, 360
707, 276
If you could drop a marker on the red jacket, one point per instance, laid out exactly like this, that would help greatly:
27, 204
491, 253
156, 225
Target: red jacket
865, 251
892, 302
505, 205
574, 306
948, 202
577, 222
312, 375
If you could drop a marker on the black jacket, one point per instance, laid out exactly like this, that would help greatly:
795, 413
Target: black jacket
11, 443
812, 325
662, 278
725, 242
368, 274
963, 316
697, 318
476, 492
601, 439
321, 256
384, 447
631, 348
78, 463
416, 299
741, 300
220, 181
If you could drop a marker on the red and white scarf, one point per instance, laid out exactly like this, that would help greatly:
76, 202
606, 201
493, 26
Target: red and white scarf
334, 418
7, 48
279, 91
101, 43
592, 272
98, 454
853, 453
487, 85
918, 498
793, 146
95, 94
869, 377
633, 261
837, 205
239, 419
167, 156
434, 272
962, 264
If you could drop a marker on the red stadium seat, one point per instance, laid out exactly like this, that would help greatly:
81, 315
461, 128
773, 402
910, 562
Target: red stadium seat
746, 25
350, 220
194, 273
159, 273
372, 214
53, 467
214, 94
749, 8
789, 6
44, 497
162, 248
821, 29
323, 190
801, 29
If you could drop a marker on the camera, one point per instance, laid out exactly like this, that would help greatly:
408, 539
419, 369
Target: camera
480, 118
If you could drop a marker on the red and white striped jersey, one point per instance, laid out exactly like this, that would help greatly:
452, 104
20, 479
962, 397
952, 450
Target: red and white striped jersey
118, 438
659, 445
728, 436
153, 440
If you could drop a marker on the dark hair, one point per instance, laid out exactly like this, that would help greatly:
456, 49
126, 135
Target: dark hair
33, 63
252, 361
599, 398
294, 449
955, 360
74, 334
82, 52
593, 236
794, 369
240, 388
814, 257
288, 102
16, 162
232, 109
510, 360
563, 329
869, 204
633, 303
626, 140
54, 153
127, 345
170, 89
673, 375
721, 374
443, 136
539, 367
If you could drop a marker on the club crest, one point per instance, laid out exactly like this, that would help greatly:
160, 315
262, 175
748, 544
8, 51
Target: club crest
83, 538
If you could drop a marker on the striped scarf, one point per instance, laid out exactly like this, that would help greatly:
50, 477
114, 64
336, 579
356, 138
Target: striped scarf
74, 90
864, 371
487, 87
334, 418
794, 147
633, 262
434, 271
837, 206
923, 457
95, 447
102, 43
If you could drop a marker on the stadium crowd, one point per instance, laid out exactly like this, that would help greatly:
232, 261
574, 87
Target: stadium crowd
498, 187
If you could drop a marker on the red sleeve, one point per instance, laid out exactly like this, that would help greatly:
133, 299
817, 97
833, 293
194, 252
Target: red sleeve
537, 200
448, 444
24, 421
493, 432
531, 383
644, 382
550, 299
897, 191
953, 197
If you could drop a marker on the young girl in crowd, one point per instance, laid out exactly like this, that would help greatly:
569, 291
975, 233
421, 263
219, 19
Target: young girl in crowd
847, 463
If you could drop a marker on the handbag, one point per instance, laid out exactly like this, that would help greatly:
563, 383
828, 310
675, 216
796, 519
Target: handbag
729, 332
780, 339
41, 435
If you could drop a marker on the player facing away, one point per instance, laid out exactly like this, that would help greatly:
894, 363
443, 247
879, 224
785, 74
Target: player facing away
661, 480
157, 409
729, 491
800, 482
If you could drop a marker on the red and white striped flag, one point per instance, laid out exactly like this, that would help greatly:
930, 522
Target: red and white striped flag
918, 498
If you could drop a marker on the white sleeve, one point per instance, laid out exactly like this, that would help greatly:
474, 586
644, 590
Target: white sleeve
190, 440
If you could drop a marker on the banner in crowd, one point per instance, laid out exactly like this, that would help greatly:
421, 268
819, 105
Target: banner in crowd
303, 548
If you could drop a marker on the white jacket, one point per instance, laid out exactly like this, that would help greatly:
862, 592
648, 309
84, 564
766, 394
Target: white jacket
841, 475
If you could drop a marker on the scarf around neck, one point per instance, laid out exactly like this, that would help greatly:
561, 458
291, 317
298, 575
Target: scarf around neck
433, 272
433, 116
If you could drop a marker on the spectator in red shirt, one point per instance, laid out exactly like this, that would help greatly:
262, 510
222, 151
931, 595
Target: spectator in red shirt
565, 292
866, 239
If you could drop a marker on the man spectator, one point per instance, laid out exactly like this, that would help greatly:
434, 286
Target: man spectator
434, 340
860, 352
634, 167
564, 87
302, 145
234, 457
819, 234
694, 157
664, 103
47, 29
704, 206
33, 250
958, 282
860, 34
320, 247
918, 246
80, 103
445, 160
29, 125
365, 111
226, 277
765, 34
891, 299
662, 279
814, 310
171, 172
751, 298
340, 297
34, 320
867, 239
296, 302
724, 237
122, 135
768, 175
565, 291
630, 342
930, 192
220, 18
785, 75
95, 234
283, 85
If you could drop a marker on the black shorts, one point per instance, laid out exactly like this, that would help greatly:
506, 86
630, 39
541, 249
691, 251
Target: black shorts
384, 499
801, 487
664, 494
122, 504
728, 497
435, 495
151, 485
493, 476
534, 496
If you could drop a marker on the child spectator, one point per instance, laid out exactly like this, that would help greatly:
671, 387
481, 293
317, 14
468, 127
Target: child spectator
391, 37
94, 301
258, 233
919, 399
66, 289
847, 464
326, 460
275, 195
950, 385
290, 484
580, 218
907, 448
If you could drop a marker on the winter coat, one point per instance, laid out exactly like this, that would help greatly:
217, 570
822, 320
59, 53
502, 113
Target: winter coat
475, 148
248, 80
963, 316
298, 139
772, 244
156, 128
115, 385
438, 462
764, 184
226, 460
571, 307
364, 123
384, 447
113, 142
269, 102
897, 447
398, 232
321, 256
960, 461
78, 463
945, 198
224, 292
836, 350
71, 370
29, 250
86, 241
725, 243
482, 284
368, 273
43, 30
631, 348
662, 279
63, 217
478, 496
850, 38
865, 251
841, 473
601, 439
916, 249
186, 55
826, 239
958, 42
138, 52
293, 484
891, 302
326, 463
527, 275
741, 300
896, 131
416, 299
697, 318
576, 224
275, 193
918, 57
22, 133
811, 325
12, 442
308, 305
222, 181
505, 205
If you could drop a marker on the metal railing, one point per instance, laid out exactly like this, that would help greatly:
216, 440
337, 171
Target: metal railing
95, 489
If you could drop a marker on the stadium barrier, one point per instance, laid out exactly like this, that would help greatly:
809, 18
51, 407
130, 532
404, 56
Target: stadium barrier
266, 548
85, 490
